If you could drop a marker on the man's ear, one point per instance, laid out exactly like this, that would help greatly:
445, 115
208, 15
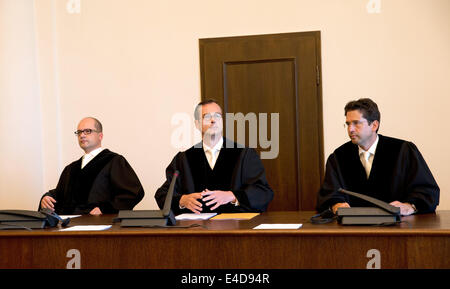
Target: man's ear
375, 125
198, 124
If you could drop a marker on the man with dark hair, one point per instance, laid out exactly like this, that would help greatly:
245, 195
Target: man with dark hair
367, 107
216, 175
99, 182
385, 168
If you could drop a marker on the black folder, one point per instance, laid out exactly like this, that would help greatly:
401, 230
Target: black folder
22, 219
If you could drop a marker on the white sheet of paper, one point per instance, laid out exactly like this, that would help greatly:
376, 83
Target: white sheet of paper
277, 226
69, 216
87, 228
201, 216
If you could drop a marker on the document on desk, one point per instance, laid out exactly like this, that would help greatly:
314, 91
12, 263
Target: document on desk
69, 216
87, 228
235, 216
278, 226
192, 216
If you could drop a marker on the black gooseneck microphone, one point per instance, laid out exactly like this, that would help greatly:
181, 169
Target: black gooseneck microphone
169, 196
383, 205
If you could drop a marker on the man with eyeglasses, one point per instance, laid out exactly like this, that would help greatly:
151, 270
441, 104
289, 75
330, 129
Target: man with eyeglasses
216, 175
99, 182
382, 167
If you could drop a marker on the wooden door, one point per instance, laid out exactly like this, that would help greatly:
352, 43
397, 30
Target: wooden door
274, 74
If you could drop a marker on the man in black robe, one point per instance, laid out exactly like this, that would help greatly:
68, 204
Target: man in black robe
99, 182
216, 175
385, 168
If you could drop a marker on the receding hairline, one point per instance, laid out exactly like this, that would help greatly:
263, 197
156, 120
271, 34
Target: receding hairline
98, 125
205, 102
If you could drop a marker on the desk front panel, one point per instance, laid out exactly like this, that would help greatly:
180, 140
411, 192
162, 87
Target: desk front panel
231, 244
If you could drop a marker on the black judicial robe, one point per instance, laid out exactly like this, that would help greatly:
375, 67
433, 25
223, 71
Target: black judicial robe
239, 170
107, 182
399, 173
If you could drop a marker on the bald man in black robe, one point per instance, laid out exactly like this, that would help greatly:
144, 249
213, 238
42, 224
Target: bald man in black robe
100, 182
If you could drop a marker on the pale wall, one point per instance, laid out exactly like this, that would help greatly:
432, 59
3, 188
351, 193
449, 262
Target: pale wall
21, 175
134, 64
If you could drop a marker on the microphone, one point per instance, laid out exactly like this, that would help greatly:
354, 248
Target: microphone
385, 206
151, 218
168, 201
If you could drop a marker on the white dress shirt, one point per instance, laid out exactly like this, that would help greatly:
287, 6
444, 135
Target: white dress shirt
88, 157
366, 157
213, 153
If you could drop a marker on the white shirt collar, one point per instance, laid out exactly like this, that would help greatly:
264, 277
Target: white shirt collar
95, 152
372, 148
217, 147
89, 156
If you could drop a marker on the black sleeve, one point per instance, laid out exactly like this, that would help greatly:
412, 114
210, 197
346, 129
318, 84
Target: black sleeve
161, 192
328, 194
255, 194
421, 187
58, 192
126, 189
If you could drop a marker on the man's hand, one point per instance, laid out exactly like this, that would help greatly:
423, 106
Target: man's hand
406, 209
95, 211
48, 203
218, 198
339, 205
190, 202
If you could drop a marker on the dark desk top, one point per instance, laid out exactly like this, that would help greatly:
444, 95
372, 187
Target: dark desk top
437, 224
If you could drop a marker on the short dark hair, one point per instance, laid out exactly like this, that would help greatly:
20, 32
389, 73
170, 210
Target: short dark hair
367, 107
197, 116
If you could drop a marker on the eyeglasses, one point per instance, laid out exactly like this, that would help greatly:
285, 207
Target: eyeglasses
355, 123
209, 116
86, 131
